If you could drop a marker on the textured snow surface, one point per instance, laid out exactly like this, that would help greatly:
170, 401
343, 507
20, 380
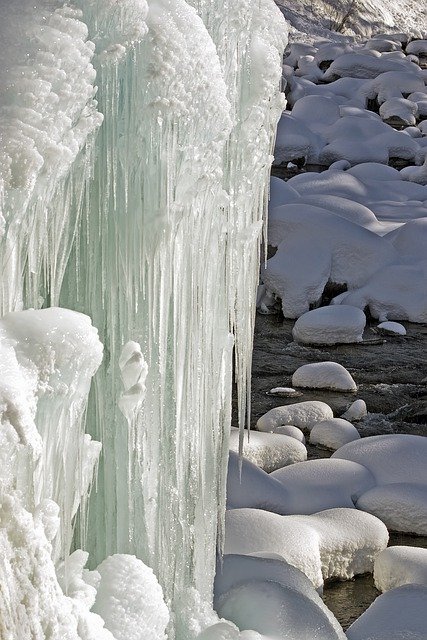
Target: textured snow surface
330, 325
333, 433
130, 600
356, 411
269, 451
402, 506
334, 543
396, 566
398, 614
302, 414
324, 375
323, 484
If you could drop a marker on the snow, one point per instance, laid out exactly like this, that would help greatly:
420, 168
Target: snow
330, 325
392, 328
397, 566
399, 614
290, 430
278, 612
356, 411
323, 484
324, 375
269, 451
302, 414
402, 506
333, 433
334, 543
130, 600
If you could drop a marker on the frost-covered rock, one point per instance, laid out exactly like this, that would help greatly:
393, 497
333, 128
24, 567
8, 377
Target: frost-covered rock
356, 411
402, 506
130, 600
302, 414
330, 325
269, 451
285, 392
333, 433
399, 614
323, 484
396, 566
324, 375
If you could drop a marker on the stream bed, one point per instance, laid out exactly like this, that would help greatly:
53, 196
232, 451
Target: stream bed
391, 376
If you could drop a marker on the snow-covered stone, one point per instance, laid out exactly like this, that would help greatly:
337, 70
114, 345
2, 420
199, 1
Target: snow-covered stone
392, 328
391, 458
250, 486
399, 614
323, 484
330, 325
333, 433
290, 430
396, 566
402, 506
324, 375
356, 411
334, 543
278, 612
284, 392
269, 451
302, 414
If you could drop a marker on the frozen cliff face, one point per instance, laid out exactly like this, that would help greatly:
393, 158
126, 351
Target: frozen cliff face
150, 224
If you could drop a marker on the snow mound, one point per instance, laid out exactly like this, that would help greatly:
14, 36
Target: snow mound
324, 375
302, 414
330, 325
401, 506
399, 614
392, 458
130, 600
290, 430
250, 486
396, 566
356, 411
392, 328
269, 451
333, 433
334, 543
323, 484
278, 612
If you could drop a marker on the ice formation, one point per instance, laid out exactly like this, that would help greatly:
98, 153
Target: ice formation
136, 143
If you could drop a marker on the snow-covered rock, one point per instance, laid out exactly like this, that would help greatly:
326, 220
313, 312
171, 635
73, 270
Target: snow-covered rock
269, 451
323, 484
402, 506
356, 411
399, 614
333, 433
330, 325
302, 414
324, 375
396, 566
290, 430
392, 328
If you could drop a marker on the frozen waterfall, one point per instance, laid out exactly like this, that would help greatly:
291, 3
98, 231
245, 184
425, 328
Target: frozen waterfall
136, 142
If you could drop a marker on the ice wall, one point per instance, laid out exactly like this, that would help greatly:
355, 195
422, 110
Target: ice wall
151, 226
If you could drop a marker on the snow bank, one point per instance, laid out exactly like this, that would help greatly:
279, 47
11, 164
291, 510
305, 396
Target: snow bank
330, 325
399, 614
324, 375
400, 565
302, 414
323, 484
333, 433
269, 451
